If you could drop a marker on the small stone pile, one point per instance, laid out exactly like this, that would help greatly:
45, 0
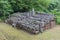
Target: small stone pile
33, 23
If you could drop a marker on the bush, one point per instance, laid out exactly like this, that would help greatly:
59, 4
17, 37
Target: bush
5, 8
58, 20
20, 5
9, 6
57, 15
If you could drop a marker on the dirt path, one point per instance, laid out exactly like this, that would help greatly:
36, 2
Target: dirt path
7, 32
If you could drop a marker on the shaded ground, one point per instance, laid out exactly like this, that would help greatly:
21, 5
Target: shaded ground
7, 32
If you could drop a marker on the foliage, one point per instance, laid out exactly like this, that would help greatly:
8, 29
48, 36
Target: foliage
20, 5
5, 8
9, 6
39, 5
56, 12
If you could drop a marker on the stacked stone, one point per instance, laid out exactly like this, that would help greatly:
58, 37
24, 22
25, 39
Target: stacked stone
36, 23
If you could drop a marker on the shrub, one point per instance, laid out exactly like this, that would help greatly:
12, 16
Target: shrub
5, 8
20, 5
9, 6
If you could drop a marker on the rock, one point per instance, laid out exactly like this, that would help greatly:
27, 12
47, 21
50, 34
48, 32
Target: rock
29, 22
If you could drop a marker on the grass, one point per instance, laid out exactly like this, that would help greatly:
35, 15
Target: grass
7, 32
